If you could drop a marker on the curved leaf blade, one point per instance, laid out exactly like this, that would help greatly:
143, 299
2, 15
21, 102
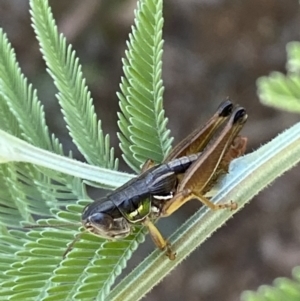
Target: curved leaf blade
74, 96
142, 123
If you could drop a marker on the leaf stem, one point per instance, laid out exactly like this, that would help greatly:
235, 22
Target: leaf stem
15, 149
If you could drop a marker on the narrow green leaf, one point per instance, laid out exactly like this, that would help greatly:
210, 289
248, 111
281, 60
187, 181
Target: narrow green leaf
73, 96
141, 108
22, 101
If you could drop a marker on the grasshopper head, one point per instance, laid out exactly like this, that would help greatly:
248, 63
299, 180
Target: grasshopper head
106, 226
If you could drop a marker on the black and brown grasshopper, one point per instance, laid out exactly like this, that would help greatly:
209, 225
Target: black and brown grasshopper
188, 172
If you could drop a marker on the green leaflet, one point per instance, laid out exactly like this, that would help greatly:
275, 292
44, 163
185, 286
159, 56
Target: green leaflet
283, 91
282, 289
74, 96
142, 123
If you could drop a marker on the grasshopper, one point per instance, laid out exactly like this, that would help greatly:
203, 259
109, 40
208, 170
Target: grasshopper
188, 172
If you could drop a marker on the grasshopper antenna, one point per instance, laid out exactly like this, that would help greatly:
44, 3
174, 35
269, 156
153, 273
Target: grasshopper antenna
71, 245
52, 225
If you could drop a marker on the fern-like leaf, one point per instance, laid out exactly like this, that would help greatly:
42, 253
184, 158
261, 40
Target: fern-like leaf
27, 189
73, 96
283, 91
22, 100
142, 123
92, 266
87, 272
282, 289
23, 116
35, 248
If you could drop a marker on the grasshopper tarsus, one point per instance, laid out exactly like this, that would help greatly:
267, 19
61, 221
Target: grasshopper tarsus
171, 255
231, 205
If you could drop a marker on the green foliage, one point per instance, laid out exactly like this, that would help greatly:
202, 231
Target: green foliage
142, 123
283, 289
32, 265
283, 91
74, 96
22, 115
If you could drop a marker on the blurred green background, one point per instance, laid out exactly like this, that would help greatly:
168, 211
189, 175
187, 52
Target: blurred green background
213, 49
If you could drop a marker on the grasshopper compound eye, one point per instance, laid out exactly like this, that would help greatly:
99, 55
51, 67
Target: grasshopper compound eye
98, 223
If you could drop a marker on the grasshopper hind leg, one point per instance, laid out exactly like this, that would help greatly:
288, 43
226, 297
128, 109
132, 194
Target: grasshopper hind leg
186, 195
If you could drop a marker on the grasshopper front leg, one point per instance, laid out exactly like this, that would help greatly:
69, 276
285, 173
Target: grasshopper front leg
158, 239
202, 174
